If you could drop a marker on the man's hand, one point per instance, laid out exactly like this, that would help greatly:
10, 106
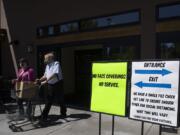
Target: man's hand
37, 81
44, 82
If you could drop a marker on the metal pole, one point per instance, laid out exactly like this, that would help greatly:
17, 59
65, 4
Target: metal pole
5, 26
14, 59
160, 129
142, 128
113, 125
0, 12
99, 123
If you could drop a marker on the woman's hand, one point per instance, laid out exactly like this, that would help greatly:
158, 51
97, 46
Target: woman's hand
13, 81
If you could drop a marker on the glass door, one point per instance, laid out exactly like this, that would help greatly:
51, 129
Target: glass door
127, 48
83, 68
168, 45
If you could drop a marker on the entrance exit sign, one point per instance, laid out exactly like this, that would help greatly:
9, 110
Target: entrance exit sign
154, 92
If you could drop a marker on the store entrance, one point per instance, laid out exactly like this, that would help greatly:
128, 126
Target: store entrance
127, 48
112, 50
83, 67
76, 60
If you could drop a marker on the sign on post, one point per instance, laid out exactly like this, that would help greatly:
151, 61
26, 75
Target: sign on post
109, 88
154, 92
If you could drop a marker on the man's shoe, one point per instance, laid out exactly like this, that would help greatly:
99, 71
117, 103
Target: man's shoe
43, 122
63, 115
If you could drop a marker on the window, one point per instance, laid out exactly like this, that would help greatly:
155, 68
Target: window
123, 52
50, 30
170, 50
170, 11
169, 45
40, 32
126, 48
95, 23
88, 24
119, 19
56, 29
70, 27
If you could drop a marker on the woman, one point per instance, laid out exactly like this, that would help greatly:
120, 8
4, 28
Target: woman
25, 74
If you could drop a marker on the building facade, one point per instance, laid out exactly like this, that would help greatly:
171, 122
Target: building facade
81, 32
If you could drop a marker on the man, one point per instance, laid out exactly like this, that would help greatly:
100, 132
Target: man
54, 81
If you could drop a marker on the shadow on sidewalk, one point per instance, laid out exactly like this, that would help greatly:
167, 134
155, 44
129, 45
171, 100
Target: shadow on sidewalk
79, 116
53, 120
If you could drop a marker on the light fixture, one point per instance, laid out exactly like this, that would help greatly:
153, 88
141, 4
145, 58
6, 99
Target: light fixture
30, 48
2, 34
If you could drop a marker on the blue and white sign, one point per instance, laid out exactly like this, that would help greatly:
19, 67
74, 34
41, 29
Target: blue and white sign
154, 92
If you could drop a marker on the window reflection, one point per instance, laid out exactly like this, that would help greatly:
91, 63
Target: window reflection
70, 27
90, 24
122, 52
40, 32
113, 20
50, 30
169, 11
170, 50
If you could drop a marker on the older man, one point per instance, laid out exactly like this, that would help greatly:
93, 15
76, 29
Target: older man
54, 80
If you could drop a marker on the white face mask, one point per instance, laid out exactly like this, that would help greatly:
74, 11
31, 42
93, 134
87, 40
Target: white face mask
48, 59
23, 65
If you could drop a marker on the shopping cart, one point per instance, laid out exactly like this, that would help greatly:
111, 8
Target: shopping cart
29, 92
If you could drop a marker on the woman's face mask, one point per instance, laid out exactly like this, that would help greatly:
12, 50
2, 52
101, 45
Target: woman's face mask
23, 65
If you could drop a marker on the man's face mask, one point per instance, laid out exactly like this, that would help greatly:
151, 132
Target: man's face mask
46, 60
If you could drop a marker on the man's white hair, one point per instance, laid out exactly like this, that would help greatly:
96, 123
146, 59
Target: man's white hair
49, 55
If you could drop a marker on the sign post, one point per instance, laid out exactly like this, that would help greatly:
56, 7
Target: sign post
113, 118
160, 129
109, 84
154, 92
99, 123
142, 128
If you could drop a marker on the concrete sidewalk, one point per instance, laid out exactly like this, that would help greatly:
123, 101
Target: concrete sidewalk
82, 123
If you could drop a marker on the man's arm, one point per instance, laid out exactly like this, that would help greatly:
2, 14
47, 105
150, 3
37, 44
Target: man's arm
42, 79
51, 77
